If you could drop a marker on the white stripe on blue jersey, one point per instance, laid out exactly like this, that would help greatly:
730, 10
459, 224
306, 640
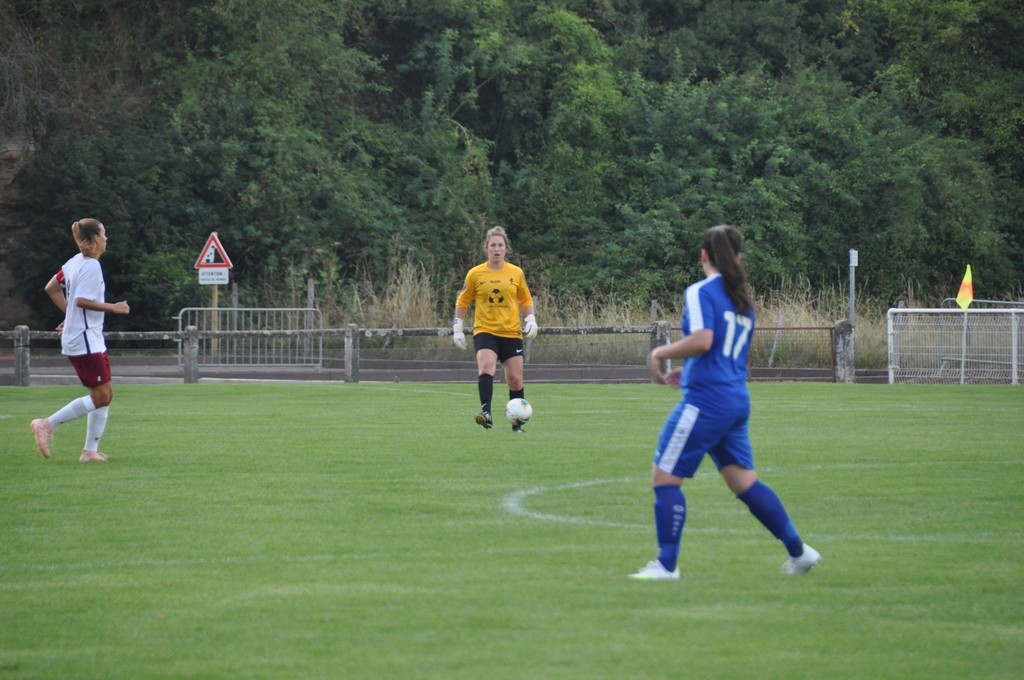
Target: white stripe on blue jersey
712, 379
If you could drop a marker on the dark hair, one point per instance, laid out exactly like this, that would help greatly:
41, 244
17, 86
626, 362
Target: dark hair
722, 244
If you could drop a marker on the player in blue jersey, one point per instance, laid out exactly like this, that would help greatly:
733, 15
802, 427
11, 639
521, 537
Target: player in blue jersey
711, 418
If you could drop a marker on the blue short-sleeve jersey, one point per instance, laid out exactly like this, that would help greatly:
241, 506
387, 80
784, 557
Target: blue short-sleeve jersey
717, 378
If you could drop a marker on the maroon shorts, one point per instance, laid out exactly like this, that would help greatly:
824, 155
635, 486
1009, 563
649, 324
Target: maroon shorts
92, 369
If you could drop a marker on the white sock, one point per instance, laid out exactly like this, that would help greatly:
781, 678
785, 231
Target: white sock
97, 422
73, 409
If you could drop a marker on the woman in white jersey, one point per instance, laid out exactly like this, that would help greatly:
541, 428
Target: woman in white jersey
81, 339
499, 291
711, 419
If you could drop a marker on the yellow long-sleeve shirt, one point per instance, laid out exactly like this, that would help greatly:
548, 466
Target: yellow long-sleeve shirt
499, 295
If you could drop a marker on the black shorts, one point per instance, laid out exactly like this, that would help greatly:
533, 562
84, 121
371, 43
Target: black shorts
505, 348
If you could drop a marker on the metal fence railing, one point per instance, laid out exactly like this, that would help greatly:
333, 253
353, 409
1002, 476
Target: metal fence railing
234, 342
206, 350
295, 336
974, 346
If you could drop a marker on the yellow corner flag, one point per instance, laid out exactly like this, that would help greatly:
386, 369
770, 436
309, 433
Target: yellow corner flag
966, 294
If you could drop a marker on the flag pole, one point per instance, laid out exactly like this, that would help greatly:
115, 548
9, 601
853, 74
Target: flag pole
964, 298
963, 350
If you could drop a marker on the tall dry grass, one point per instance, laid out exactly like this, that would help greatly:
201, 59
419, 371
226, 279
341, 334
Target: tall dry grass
798, 305
413, 296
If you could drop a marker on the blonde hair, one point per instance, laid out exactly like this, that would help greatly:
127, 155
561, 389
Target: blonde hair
84, 231
497, 231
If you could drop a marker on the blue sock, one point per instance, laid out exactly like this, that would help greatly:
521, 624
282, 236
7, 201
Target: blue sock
669, 518
765, 505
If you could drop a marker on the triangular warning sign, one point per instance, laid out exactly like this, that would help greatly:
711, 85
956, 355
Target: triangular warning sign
213, 255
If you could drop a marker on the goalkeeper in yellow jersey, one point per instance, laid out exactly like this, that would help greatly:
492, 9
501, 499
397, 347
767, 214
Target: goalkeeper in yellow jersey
500, 292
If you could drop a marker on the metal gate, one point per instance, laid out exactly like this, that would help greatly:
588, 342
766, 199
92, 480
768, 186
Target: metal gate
283, 337
972, 346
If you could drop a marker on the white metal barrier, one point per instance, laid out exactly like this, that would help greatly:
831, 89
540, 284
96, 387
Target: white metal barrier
976, 346
284, 347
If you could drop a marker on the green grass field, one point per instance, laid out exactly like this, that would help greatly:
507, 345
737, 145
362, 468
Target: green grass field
373, 531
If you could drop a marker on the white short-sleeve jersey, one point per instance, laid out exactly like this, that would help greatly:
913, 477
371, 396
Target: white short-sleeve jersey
83, 328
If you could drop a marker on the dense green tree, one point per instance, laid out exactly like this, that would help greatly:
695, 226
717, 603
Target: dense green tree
957, 68
328, 138
258, 131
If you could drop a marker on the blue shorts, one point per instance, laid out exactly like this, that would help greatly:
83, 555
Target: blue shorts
689, 433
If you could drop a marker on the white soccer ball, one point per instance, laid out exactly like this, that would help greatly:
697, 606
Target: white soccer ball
518, 411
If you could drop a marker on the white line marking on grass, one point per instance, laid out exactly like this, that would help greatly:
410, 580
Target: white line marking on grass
514, 504
874, 465
174, 562
390, 387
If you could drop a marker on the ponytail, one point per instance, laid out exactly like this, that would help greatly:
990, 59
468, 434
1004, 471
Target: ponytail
722, 244
85, 231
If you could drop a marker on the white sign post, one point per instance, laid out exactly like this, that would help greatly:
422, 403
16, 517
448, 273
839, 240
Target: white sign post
853, 282
213, 265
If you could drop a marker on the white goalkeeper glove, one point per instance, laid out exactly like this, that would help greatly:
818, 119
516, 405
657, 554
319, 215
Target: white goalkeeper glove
530, 329
458, 337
